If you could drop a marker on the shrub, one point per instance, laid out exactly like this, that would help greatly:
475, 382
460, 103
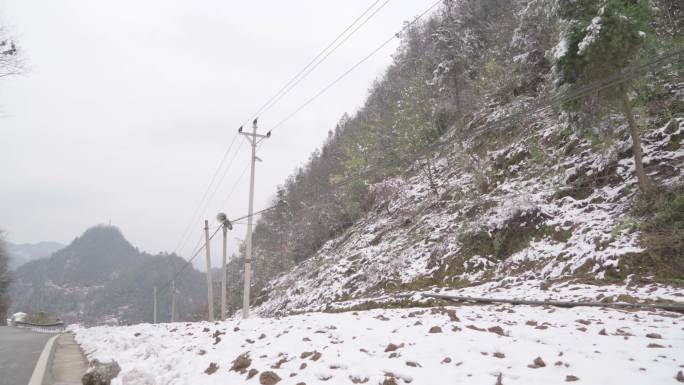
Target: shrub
661, 216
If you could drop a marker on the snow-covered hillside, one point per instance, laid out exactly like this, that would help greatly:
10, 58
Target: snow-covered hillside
452, 345
546, 208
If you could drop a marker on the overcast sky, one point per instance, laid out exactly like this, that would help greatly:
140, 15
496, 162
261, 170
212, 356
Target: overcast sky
127, 107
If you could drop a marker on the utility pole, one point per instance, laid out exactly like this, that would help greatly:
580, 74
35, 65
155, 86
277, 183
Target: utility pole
224, 284
254, 139
210, 292
225, 225
173, 301
154, 317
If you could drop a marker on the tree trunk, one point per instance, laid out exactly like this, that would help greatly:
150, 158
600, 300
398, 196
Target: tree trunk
431, 180
644, 184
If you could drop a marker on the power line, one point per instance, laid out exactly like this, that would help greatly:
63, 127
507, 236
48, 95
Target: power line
288, 89
270, 102
223, 176
343, 75
187, 232
198, 248
237, 182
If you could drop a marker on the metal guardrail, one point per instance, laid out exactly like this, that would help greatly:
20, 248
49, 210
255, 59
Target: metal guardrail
56, 327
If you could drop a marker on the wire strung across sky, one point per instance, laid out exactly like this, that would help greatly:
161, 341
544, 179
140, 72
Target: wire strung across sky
187, 232
315, 62
352, 68
198, 249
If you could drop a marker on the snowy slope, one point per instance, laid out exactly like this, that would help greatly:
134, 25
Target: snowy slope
453, 345
554, 206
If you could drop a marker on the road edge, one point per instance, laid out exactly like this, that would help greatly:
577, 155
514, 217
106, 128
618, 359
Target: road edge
41, 369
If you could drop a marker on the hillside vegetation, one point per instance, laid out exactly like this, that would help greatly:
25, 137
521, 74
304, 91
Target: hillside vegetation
451, 174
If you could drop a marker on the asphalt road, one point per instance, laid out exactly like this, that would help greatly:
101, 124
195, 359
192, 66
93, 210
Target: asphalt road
19, 352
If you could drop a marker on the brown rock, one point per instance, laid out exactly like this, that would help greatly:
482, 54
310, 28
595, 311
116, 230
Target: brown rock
252, 372
435, 329
531, 323
413, 364
212, 368
279, 363
241, 363
269, 378
498, 379
499, 355
655, 346
392, 347
100, 373
654, 335
497, 330
389, 380
680, 376
452, 315
571, 378
302, 366
316, 356
603, 332
537, 363
446, 360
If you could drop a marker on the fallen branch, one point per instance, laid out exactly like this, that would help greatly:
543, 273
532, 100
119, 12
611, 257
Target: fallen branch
619, 305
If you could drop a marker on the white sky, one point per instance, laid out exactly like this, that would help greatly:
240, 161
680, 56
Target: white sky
127, 107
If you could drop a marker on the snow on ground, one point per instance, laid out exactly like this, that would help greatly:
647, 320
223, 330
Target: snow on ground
452, 345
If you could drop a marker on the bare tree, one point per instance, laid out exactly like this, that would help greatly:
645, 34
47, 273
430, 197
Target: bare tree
5, 280
11, 62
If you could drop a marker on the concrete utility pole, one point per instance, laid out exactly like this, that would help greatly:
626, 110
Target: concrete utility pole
253, 139
154, 317
173, 301
223, 275
226, 225
210, 291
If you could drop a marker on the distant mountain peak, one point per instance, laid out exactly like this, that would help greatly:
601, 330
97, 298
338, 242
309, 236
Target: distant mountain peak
103, 235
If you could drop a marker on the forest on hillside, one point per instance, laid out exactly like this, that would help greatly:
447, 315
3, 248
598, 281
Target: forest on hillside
449, 72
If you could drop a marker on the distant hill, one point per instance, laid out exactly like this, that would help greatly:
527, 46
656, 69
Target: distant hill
100, 277
26, 252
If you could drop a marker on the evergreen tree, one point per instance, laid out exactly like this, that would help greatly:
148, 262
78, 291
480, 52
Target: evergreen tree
602, 38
